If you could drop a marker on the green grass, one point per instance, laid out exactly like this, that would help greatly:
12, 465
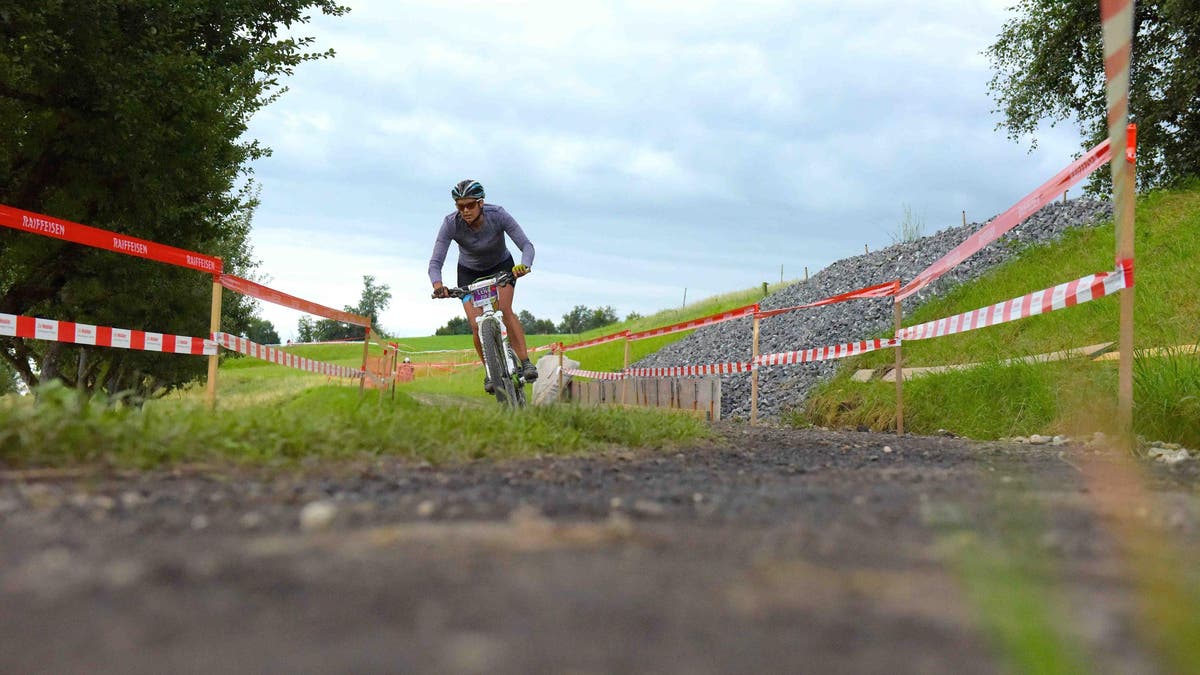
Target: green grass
1049, 398
271, 414
611, 356
607, 357
322, 421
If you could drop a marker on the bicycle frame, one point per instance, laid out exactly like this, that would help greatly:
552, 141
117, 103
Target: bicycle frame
484, 293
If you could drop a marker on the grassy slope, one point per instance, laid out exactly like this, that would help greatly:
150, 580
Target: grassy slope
1069, 397
611, 356
607, 357
270, 414
278, 425
1040, 398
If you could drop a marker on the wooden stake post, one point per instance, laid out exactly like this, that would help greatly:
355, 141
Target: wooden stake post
560, 372
213, 360
1124, 188
625, 381
1116, 18
362, 382
899, 314
754, 374
395, 369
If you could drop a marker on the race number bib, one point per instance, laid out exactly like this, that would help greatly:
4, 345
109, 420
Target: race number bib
484, 296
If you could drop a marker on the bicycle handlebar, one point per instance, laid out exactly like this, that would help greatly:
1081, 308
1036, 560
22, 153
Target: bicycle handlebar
502, 279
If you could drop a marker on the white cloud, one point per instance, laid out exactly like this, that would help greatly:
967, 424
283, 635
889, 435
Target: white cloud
645, 146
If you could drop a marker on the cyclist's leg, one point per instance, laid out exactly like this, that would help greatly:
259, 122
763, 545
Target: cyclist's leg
472, 312
516, 332
465, 277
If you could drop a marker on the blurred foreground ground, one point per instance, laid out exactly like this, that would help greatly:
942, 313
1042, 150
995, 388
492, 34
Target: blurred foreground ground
768, 551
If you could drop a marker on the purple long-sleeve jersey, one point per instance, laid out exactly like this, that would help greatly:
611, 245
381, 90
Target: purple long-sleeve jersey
479, 249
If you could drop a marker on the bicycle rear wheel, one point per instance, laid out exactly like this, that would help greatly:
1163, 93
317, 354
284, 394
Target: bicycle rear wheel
497, 363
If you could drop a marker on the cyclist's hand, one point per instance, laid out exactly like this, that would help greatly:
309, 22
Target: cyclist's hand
521, 270
441, 292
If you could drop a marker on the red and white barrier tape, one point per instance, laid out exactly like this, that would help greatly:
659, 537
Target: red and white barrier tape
1116, 20
1077, 171
57, 228
883, 290
826, 353
1039, 302
598, 341
379, 381
445, 364
720, 317
102, 336
257, 290
593, 374
437, 351
280, 357
691, 371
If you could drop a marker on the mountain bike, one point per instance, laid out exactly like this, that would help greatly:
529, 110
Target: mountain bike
499, 360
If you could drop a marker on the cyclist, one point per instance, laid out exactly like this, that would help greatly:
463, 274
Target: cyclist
479, 230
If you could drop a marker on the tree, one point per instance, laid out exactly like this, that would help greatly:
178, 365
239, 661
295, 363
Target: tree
1048, 64
8, 379
602, 316
581, 318
261, 331
456, 326
328, 330
130, 115
306, 329
534, 325
373, 301
575, 321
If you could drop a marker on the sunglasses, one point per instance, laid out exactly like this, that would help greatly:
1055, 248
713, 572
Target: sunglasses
466, 206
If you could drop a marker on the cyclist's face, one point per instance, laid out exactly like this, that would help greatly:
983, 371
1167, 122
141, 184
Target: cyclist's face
469, 208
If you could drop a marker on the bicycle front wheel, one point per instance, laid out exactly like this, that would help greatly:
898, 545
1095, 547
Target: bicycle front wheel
497, 363
518, 383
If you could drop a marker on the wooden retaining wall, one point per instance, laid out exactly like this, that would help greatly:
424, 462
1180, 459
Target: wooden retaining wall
701, 395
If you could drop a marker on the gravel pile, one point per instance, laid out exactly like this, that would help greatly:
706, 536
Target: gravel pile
784, 387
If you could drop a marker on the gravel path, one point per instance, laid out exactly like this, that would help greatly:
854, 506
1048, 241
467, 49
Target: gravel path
769, 550
784, 387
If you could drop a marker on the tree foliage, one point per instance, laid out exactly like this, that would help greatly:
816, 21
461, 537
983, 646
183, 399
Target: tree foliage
1048, 64
534, 325
456, 326
374, 300
8, 379
129, 115
582, 318
306, 330
261, 331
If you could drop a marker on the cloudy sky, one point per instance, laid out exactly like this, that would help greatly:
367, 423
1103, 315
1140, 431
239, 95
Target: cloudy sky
646, 147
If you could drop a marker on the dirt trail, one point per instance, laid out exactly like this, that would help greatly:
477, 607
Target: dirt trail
769, 551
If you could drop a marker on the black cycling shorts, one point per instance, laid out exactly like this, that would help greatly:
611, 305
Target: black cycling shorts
467, 276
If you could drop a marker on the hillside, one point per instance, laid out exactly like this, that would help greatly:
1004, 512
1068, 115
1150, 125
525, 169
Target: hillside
783, 388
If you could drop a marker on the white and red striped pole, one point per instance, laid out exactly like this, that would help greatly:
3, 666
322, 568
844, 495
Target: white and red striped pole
1116, 18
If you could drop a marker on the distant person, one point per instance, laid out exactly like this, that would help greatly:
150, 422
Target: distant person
479, 230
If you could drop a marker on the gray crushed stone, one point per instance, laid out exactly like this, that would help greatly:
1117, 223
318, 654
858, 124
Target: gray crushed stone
782, 388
